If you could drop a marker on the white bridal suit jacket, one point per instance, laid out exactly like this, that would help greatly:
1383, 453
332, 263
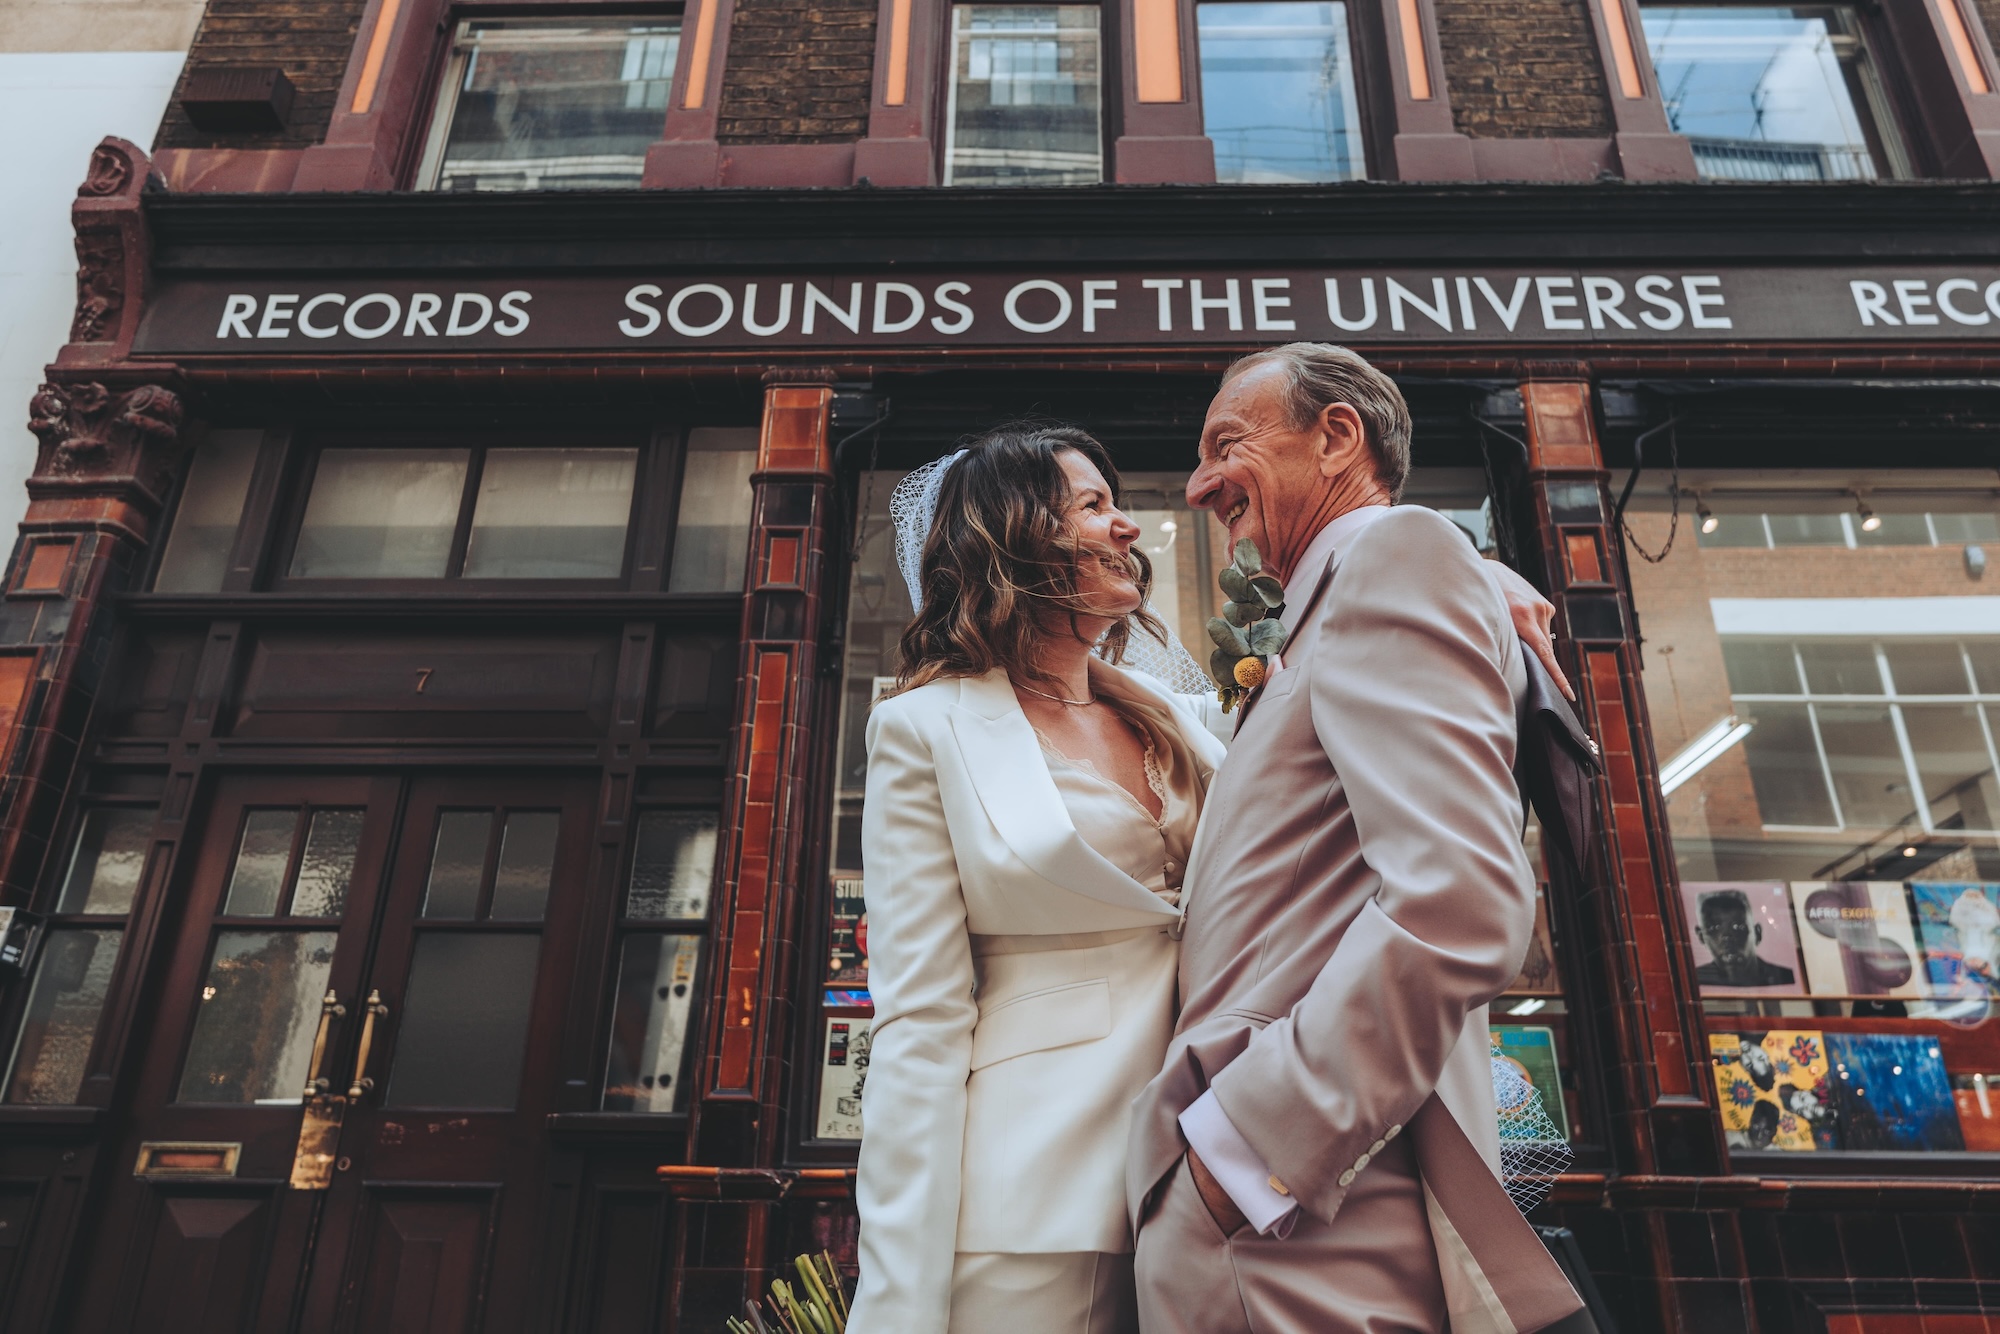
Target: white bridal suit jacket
1023, 988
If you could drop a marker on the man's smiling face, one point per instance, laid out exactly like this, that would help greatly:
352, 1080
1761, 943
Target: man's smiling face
1260, 474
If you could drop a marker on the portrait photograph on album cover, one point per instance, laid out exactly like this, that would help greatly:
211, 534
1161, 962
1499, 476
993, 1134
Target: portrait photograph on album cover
1743, 940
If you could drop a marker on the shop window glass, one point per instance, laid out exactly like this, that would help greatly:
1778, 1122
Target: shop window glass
712, 539
211, 506
465, 1021
260, 1005
381, 514
72, 969
552, 104
1825, 716
551, 514
1277, 92
1024, 96
656, 996
1773, 92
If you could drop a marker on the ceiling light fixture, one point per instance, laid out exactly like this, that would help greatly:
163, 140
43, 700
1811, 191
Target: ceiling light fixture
1701, 752
1870, 520
1709, 523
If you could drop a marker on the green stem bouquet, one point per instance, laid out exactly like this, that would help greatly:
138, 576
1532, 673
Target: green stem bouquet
1247, 634
817, 1305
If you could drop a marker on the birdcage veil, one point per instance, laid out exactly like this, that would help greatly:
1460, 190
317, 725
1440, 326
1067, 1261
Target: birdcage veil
913, 509
1533, 1151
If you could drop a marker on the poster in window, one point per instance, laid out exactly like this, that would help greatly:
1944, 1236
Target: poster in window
1531, 1050
1856, 938
1538, 970
1960, 928
847, 961
1891, 1092
1741, 933
1773, 1089
843, 1070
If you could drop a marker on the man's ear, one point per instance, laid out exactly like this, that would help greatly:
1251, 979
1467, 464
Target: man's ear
1343, 439
1756, 932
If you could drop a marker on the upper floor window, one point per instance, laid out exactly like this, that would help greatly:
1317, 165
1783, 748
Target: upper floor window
1774, 92
551, 104
1277, 92
1025, 105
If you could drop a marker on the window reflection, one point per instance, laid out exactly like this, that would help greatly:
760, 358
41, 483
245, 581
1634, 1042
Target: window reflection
1024, 96
551, 514
60, 1021
712, 539
553, 104
211, 506
381, 514
1277, 92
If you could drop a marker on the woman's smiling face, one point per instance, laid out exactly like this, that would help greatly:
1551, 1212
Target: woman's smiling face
1105, 585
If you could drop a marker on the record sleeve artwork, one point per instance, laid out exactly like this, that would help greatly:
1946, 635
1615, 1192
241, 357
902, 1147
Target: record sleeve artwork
1890, 1092
1773, 1090
1857, 939
1741, 933
842, 1074
1960, 926
1531, 1051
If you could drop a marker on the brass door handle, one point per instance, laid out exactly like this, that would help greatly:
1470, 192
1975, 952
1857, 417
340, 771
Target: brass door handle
329, 1009
375, 1008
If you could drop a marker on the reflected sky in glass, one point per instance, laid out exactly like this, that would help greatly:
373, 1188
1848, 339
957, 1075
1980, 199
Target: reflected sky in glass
1277, 90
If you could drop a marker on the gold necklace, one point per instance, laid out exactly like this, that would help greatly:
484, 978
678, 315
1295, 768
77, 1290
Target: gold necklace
1073, 703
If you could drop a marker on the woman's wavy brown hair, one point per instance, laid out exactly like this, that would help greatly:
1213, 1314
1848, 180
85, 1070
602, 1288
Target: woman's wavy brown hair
1000, 565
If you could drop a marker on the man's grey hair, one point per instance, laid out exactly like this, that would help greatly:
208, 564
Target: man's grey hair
1320, 374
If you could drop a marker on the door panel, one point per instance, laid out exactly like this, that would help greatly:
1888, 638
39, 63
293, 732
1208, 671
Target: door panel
426, 1254
205, 1261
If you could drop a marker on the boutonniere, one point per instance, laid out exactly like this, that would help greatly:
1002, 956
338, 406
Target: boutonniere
1247, 633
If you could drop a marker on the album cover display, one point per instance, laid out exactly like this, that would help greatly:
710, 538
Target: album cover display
1959, 925
1531, 1050
1538, 970
1890, 1091
1773, 1090
847, 950
843, 1070
1856, 938
1978, 1099
1741, 932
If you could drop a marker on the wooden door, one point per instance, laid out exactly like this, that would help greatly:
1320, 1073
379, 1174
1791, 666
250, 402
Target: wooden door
441, 914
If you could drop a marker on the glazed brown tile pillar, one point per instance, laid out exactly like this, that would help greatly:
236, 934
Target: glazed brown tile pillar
766, 818
110, 433
1648, 1011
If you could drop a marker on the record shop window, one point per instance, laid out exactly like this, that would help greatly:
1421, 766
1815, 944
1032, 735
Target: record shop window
1024, 103
551, 103
663, 925
1775, 92
1822, 671
1278, 91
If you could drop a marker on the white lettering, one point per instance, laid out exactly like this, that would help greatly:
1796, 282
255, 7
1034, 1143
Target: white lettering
1699, 299
423, 305
1166, 287
1545, 289
1092, 302
1944, 291
1367, 320
1438, 308
883, 291
944, 297
686, 330
1263, 296
849, 316
1910, 294
1653, 289
1993, 298
277, 309
1602, 297
511, 306
1011, 306
312, 330
458, 328
1510, 312
355, 327
239, 307
1465, 304
634, 300
1231, 301
777, 326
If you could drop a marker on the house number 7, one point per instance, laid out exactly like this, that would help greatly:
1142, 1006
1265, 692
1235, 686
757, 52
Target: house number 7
423, 678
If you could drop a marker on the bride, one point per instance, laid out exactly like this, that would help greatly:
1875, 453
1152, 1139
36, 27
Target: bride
1030, 807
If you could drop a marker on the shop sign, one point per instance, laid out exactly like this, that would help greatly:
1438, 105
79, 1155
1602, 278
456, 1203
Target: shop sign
951, 309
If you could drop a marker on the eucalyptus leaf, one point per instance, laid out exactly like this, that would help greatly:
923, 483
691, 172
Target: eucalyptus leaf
1220, 666
1268, 590
1227, 637
1234, 584
1236, 613
1247, 558
1266, 637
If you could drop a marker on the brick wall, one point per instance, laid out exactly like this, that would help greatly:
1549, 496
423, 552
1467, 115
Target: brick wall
1521, 69
309, 39
799, 72
1989, 10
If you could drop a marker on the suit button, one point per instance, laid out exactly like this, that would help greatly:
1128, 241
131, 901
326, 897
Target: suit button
1378, 1146
1347, 1177
1393, 1132
1361, 1162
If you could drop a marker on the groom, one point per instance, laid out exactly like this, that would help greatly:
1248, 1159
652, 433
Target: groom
1319, 1155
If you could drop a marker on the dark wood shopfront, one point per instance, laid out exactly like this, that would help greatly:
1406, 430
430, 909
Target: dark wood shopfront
447, 806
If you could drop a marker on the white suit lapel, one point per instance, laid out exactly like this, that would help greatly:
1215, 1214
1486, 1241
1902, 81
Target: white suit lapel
1005, 762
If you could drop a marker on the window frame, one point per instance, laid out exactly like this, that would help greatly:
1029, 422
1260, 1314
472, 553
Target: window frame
1112, 40
1359, 50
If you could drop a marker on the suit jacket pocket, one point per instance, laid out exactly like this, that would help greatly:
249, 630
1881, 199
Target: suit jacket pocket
1053, 1017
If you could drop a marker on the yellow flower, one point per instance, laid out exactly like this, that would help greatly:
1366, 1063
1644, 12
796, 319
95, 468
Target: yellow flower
1249, 673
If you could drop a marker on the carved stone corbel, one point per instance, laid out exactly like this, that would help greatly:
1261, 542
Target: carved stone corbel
97, 439
113, 249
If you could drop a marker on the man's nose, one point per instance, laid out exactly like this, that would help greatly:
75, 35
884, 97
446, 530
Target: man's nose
1202, 486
